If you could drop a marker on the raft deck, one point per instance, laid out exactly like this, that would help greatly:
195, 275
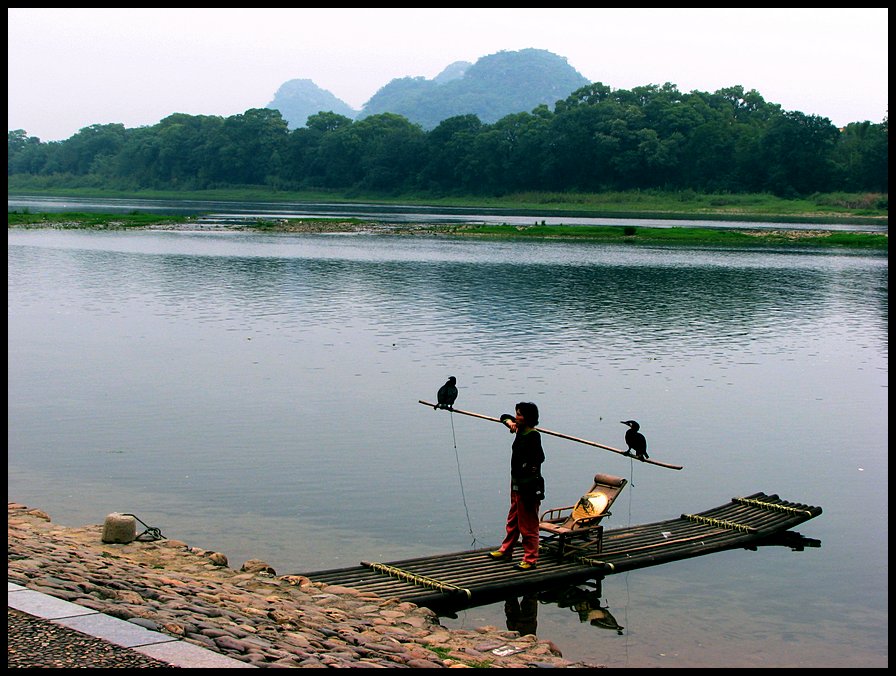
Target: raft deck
447, 582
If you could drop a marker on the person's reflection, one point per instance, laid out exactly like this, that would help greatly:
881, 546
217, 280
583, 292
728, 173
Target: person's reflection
522, 614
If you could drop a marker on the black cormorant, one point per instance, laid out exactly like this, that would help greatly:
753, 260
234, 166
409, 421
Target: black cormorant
447, 394
635, 440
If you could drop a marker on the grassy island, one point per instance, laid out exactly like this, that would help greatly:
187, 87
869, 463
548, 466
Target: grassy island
607, 234
671, 207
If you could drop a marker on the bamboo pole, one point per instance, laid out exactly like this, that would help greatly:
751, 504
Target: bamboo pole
649, 461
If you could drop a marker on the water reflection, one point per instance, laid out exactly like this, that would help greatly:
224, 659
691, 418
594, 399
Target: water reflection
586, 598
602, 297
522, 614
585, 601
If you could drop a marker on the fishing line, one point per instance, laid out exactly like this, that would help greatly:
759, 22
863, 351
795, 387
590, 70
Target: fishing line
631, 493
628, 602
628, 596
461, 480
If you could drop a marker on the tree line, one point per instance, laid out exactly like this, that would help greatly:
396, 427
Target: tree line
597, 139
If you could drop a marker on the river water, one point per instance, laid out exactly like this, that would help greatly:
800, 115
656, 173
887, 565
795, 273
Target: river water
258, 395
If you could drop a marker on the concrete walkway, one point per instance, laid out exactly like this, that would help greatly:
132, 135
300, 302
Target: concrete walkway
116, 642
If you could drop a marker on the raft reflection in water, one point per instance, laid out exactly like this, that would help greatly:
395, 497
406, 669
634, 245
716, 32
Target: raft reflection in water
584, 598
586, 602
522, 612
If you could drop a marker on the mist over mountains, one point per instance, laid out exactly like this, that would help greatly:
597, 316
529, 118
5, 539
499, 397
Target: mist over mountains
495, 86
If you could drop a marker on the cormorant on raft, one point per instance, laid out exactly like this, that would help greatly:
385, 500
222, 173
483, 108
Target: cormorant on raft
635, 440
447, 394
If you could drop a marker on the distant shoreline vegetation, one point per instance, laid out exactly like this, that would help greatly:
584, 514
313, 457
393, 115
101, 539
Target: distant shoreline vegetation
622, 234
861, 208
596, 140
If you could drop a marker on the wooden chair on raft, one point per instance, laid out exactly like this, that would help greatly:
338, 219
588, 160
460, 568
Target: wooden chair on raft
576, 530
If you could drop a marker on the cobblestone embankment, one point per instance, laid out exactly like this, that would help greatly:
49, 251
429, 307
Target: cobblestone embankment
250, 614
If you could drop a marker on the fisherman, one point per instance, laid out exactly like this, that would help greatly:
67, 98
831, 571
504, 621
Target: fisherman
526, 486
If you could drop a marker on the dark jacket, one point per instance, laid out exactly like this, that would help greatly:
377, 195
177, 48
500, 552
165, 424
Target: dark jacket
525, 463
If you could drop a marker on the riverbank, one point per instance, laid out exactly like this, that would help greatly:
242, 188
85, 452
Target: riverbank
835, 207
690, 236
250, 614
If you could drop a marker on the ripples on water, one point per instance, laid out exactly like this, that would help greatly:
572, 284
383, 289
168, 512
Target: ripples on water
258, 394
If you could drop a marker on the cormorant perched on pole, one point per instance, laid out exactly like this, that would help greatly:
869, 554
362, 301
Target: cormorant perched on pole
447, 394
635, 440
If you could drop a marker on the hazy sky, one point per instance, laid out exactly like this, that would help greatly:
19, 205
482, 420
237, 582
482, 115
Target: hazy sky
71, 68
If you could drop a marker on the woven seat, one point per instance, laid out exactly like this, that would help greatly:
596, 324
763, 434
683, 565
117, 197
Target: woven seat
576, 529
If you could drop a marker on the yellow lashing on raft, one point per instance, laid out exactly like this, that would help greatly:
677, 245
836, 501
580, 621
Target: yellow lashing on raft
421, 580
720, 523
771, 505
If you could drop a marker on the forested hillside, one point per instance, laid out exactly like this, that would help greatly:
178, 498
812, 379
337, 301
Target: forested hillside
297, 100
595, 139
495, 86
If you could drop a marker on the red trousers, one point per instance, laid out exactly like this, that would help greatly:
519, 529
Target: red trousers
522, 522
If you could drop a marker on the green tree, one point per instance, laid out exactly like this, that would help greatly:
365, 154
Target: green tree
250, 147
303, 164
508, 156
577, 159
186, 150
390, 152
861, 157
797, 154
338, 159
79, 154
25, 154
448, 153
590, 95
596, 139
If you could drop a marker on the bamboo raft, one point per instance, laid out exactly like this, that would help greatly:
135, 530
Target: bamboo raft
448, 582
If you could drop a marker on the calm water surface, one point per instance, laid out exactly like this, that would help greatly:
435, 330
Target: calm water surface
257, 395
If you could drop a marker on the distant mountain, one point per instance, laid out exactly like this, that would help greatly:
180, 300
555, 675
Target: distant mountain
495, 86
298, 99
453, 72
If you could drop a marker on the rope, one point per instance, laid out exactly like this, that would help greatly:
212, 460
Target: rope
461, 480
414, 578
589, 561
720, 523
150, 534
771, 505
